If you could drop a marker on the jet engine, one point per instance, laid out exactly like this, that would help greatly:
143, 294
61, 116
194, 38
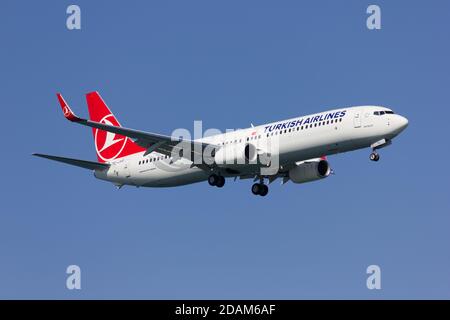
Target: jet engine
310, 171
236, 155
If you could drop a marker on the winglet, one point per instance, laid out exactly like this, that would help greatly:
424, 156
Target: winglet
68, 113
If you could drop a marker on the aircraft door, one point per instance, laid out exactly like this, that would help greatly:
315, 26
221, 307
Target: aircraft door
357, 119
368, 119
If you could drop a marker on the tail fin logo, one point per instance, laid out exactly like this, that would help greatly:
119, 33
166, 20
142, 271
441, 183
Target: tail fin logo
66, 111
107, 144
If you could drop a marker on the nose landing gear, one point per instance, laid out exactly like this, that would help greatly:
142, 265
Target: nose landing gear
374, 156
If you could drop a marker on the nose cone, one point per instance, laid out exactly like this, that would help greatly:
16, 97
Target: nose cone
403, 123
400, 124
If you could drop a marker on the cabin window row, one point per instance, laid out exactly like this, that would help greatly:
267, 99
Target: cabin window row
240, 140
304, 127
153, 159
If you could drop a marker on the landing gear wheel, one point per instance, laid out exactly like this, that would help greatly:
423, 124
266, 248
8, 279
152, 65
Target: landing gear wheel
260, 189
213, 179
220, 182
374, 156
255, 189
264, 190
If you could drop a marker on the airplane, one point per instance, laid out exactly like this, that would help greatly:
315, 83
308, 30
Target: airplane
293, 150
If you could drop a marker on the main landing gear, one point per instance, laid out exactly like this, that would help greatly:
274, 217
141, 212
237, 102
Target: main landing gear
260, 189
216, 180
374, 156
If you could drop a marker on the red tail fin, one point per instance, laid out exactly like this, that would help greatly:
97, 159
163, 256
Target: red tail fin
109, 146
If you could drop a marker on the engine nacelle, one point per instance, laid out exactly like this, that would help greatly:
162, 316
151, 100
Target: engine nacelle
310, 171
236, 155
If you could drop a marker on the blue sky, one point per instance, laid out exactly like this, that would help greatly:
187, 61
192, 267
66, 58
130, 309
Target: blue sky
160, 65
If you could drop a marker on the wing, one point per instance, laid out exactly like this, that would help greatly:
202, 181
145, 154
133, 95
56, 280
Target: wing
91, 165
151, 141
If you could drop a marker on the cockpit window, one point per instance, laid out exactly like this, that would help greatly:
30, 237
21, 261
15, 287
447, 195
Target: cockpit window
380, 113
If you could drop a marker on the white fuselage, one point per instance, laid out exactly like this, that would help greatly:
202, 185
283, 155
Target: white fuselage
298, 139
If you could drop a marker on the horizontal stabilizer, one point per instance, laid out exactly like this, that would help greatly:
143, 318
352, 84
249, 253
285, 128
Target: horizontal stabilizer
91, 165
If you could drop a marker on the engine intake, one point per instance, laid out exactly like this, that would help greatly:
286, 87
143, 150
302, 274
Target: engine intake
250, 152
